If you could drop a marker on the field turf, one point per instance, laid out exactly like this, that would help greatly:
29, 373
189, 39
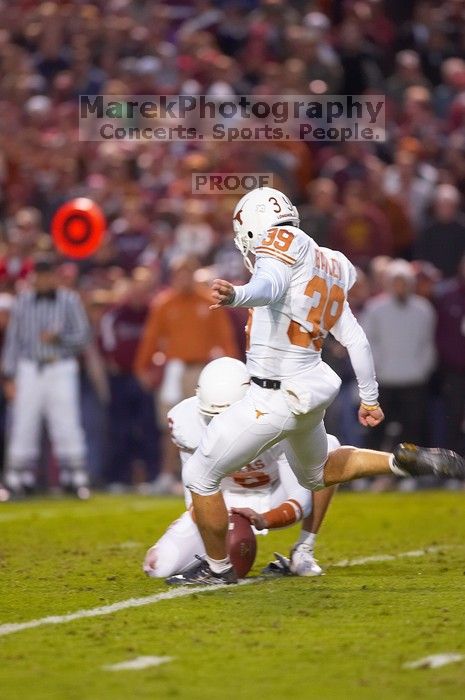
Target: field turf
343, 636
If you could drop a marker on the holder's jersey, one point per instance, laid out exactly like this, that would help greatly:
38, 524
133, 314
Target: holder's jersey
187, 426
286, 337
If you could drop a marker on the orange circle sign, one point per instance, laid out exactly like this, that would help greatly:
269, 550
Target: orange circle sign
78, 228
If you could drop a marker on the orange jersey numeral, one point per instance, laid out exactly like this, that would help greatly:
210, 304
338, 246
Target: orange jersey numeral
279, 239
324, 315
251, 476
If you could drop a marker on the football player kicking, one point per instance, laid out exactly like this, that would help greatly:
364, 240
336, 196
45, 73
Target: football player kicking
265, 491
299, 293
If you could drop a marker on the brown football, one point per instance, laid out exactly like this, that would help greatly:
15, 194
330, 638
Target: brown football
242, 545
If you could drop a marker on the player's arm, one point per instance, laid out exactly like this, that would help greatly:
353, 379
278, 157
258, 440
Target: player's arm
148, 345
182, 442
269, 282
352, 336
297, 505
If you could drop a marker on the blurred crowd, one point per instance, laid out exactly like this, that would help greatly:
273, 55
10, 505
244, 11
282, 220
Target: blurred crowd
395, 208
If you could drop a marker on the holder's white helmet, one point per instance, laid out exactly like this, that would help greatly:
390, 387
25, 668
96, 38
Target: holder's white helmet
221, 383
257, 212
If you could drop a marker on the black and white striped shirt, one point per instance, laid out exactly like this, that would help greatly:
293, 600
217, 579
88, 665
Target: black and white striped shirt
32, 314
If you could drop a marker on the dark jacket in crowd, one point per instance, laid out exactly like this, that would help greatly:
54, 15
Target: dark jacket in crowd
442, 244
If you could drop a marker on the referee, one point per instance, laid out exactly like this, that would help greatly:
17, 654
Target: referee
48, 327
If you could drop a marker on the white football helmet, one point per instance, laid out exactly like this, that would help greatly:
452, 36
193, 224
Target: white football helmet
221, 383
257, 212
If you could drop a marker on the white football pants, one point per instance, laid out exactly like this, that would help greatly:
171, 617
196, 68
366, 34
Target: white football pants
176, 550
50, 393
253, 424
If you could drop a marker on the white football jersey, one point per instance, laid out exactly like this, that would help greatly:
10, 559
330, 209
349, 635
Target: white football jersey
286, 337
187, 425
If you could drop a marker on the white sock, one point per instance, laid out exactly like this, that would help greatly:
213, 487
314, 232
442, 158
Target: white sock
394, 468
307, 538
218, 566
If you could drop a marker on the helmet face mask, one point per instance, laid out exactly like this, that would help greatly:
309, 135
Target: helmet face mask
256, 213
244, 246
221, 383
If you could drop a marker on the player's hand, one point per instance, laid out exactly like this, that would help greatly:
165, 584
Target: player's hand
255, 519
370, 417
9, 389
222, 293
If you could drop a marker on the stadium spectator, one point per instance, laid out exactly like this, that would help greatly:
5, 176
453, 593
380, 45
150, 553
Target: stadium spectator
361, 230
47, 329
409, 184
427, 279
400, 327
453, 82
359, 59
23, 233
407, 73
317, 216
131, 415
182, 334
130, 234
95, 390
393, 207
6, 303
377, 271
450, 337
193, 235
349, 163
442, 242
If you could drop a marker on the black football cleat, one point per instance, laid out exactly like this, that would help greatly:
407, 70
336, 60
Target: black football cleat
202, 575
279, 567
425, 461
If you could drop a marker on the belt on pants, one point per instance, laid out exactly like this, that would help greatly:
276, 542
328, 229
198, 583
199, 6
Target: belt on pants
267, 383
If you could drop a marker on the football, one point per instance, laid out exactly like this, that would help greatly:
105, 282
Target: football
242, 545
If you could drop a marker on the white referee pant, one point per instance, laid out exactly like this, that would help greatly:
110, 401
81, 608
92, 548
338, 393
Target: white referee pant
47, 393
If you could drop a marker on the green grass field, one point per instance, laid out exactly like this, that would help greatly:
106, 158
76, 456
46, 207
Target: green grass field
345, 635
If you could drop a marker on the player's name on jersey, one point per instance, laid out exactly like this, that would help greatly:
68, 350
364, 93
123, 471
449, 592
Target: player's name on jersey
331, 267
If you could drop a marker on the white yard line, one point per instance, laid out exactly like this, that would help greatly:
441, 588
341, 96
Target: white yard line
435, 661
12, 627
139, 663
388, 557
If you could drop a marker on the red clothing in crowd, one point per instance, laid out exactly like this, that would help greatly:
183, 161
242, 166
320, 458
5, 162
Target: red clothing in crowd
362, 237
120, 331
450, 331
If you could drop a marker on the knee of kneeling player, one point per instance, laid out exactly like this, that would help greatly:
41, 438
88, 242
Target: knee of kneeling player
313, 478
306, 503
303, 497
196, 480
157, 563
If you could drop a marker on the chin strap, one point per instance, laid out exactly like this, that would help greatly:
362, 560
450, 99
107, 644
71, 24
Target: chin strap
248, 264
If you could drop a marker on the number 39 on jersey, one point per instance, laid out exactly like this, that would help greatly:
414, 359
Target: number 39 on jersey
316, 298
